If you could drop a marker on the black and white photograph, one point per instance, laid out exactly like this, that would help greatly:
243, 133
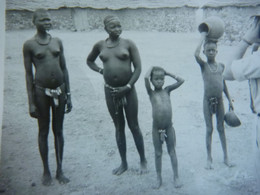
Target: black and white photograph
149, 97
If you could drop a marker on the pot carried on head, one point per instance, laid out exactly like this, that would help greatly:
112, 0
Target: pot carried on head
213, 26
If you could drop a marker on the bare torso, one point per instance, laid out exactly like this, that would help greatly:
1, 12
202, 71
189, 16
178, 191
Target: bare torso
117, 63
213, 81
162, 110
46, 60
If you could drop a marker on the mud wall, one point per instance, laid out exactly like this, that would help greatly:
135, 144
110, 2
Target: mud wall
87, 19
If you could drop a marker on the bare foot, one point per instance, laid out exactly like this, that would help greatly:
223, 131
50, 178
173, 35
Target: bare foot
62, 179
121, 169
177, 183
47, 180
229, 164
158, 183
209, 165
143, 167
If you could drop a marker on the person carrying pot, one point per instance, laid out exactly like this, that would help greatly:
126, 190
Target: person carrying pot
214, 86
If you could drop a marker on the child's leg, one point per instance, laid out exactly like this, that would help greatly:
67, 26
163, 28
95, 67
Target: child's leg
119, 123
221, 130
158, 156
209, 131
171, 143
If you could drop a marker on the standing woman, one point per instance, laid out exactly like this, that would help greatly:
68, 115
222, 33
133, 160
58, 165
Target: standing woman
47, 89
118, 55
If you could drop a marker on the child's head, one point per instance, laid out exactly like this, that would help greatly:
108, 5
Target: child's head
210, 49
157, 77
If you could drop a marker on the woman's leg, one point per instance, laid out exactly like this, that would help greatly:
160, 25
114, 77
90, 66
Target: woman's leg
43, 106
131, 110
57, 127
119, 122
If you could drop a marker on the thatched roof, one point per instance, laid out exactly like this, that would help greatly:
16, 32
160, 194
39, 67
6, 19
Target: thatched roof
96, 4
236, 3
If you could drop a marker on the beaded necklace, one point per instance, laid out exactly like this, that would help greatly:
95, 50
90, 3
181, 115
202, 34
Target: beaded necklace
211, 70
38, 40
112, 44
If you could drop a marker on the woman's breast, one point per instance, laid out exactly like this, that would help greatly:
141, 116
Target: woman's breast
118, 53
117, 66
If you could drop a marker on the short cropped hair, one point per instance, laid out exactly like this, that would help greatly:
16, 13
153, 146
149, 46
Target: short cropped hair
109, 18
37, 12
209, 41
156, 68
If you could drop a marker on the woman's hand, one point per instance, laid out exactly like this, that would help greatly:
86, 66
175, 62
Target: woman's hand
68, 104
119, 92
33, 111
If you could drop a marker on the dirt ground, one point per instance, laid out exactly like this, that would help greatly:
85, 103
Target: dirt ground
90, 147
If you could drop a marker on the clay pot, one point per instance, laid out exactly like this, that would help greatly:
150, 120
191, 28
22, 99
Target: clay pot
231, 119
213, 26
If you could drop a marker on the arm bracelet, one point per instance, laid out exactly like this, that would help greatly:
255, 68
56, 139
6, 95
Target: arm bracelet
129, 86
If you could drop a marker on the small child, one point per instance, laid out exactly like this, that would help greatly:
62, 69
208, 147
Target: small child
214, 85
162, 119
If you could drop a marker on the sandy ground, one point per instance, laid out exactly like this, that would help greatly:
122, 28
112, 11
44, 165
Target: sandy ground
90, 148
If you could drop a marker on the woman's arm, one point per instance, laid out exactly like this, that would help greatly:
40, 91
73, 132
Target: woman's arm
136, 60
29, 79
66, 77
93, 56
147, 80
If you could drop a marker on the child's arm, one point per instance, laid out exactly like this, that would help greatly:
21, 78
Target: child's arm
147, 82
179, 80
198, 49
225, 89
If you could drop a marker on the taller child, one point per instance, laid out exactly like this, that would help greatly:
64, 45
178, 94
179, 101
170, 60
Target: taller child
214, 85
47, 88
119, 56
